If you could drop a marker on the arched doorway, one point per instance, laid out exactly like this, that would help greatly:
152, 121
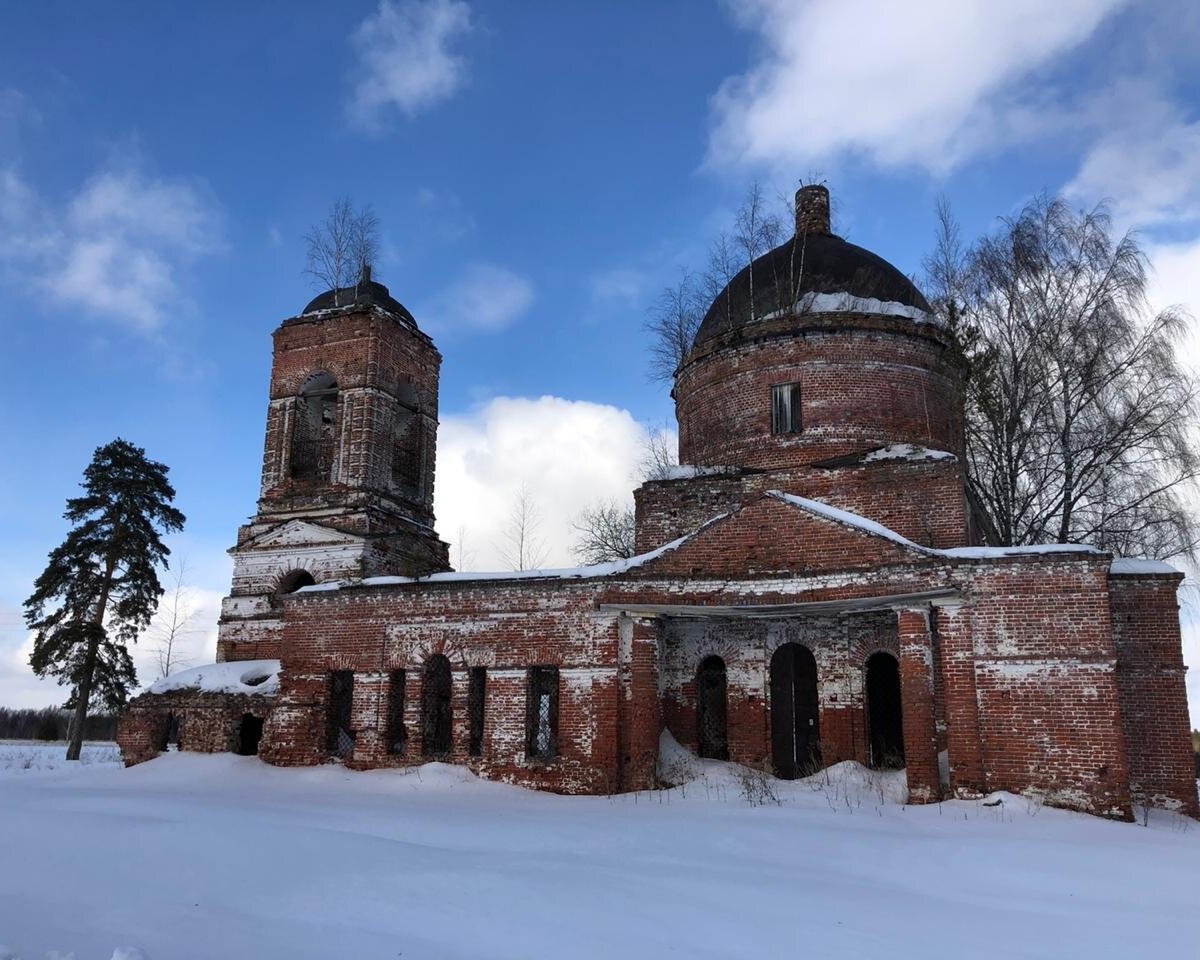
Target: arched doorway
885, 719
437, 717
712, 729
795, 730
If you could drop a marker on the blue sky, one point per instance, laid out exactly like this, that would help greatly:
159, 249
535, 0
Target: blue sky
540, 170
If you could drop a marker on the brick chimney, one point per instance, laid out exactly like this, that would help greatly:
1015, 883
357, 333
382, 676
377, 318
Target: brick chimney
812, 210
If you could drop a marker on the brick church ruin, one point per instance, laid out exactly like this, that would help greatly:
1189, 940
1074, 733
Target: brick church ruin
809, 586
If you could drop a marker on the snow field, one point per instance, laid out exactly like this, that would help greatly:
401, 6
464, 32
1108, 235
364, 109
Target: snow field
194, 856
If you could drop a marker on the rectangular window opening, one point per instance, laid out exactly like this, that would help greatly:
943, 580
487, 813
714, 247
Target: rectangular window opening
785, 408
476, 696
541, 713
395, 735
339, 732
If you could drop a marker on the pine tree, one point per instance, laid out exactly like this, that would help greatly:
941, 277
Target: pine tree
100, 587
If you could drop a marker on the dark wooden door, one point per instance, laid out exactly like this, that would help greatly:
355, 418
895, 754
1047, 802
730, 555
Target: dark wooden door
795, 731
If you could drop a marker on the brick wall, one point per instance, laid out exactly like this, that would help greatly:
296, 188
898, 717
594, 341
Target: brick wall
863, 380
1150, 676
923, 501
208, 722
1046, 681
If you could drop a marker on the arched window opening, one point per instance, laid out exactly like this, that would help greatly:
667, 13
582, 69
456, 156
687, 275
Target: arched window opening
293, 580
795, 718
314, 431
437, 715
711, 712
885, 718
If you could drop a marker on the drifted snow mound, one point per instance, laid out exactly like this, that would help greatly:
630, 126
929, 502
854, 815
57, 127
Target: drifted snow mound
849, 782
242, 676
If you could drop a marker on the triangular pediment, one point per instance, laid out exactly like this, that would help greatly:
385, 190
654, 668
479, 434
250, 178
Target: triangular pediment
776, 535
300, 533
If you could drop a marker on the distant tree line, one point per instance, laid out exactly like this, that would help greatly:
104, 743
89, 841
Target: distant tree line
51, 723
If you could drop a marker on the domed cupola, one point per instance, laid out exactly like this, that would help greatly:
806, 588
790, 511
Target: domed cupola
814, 272
819, 349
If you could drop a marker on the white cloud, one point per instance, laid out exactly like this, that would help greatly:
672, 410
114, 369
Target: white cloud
622, 285
569, 453
1146, 159
486, 297
926, 82
114, 248
404, 58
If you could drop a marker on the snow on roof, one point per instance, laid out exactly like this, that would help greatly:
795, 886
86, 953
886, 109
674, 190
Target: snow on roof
954, 553
1133, 566
845, 302
907, 451
610, 569
685, 471
238, 676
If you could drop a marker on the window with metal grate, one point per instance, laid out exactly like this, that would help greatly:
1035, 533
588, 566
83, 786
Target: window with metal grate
541, 713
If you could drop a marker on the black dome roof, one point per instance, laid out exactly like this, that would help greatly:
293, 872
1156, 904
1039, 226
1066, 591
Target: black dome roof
813, 262
365, 292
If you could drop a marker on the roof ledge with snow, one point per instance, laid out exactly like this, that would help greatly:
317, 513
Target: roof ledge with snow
864, 525
259, 677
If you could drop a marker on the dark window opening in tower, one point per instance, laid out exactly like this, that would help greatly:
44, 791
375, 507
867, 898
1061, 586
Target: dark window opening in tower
408, 450
785, 408
314, 432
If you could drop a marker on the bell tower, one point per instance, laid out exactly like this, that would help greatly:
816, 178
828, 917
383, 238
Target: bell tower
348, 463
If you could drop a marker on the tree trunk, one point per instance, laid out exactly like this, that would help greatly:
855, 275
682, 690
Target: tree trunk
83, 693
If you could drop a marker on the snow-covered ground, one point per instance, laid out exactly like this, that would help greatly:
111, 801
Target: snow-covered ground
193, 856
17, 756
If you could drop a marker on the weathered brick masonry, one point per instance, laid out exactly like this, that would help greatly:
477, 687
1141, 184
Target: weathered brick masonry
810, 589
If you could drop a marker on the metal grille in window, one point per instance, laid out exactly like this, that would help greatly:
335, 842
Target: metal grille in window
785, 408
541, 721
437, 717
711, 714
341, 701
476, 695
313, 430
408, 450
397, 737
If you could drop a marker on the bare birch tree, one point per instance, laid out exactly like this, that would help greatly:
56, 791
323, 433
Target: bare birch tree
463, 557
174, 624
676, 315
672, 325
341, 248
523, 547
1077, 408
660, 453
